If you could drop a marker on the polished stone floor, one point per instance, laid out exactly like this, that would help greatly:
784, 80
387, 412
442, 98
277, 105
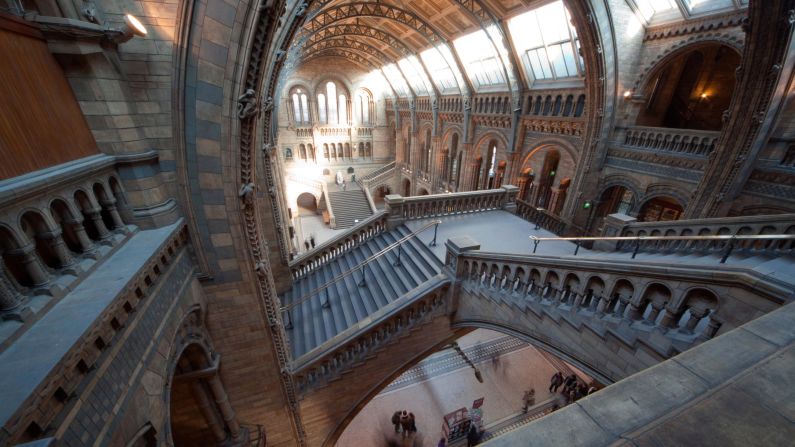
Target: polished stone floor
443, 383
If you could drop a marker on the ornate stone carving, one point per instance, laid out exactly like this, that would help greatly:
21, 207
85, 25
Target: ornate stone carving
246, 193
89, 11
267, 105
247, 104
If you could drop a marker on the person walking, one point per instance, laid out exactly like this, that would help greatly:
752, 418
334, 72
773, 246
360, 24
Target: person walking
569, 383
442, 443
473, 436
405, 422
529, 399
555, 382
306, 244
396, 421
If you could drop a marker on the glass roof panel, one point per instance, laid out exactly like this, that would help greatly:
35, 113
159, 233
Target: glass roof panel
650, 7
395, 78
415, 75
443, 75
698, 6
480, 60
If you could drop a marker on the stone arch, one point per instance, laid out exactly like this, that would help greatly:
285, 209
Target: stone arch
65, 218
651, 70
11, 245
44, 234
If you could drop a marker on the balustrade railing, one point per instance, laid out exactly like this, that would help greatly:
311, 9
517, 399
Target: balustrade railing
359, 342
715, 235
437, 205
303, 132
55, 225
682, 141
541, 217
387, 169
338, 245
617, 292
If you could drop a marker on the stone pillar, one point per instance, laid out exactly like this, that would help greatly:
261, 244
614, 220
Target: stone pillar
509, 200
205, 406
10, 298
95, 215
394, 207
695, 317
621, 306
635, 311
671, 318
655, 311
110, 206
32, 264
54, 240
86, 246
222, 400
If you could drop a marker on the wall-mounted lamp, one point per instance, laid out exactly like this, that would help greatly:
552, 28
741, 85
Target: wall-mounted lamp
704, 96
627, 94
132, 27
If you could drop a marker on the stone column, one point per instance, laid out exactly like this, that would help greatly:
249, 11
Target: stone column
695, 317
671, 318
655, 311
10, 298
621, 306
54, 240
95, 215
32, 264
205, 406
222, 400
86, 246
110, 206
635, 312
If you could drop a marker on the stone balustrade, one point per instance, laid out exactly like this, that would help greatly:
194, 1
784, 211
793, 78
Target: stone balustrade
338, 245
540, 217
680, 305
682, 141
622, 225
402, 208
303, 132
362, 340
54, 227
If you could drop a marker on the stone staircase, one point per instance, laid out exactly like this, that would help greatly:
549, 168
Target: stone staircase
349, 205
320, 314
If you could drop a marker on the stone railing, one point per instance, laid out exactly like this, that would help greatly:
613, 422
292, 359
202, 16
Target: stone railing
364, 132
334, 131
338, 245
492, 104
54, 227
362, 340
303, 132
376, 176
671, 307
540, 217
554, 103
622, 225
682, 141
402, 208
451, 104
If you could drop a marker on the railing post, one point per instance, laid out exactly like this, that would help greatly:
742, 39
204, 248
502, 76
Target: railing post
397, 262
435, 230
536, 241
363, 282
577, 249
637, 247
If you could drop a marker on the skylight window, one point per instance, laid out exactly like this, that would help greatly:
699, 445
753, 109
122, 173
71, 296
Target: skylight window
547, 42
480, 60
650, 7
440, 70
415, 75
698, 6
394, 77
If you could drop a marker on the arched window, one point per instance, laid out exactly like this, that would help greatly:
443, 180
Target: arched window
321, 108
343, 108
300, 107
363, 109
331, 92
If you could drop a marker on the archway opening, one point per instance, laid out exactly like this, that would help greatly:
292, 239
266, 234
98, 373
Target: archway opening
406, 188
691, 90
194, 420
660, 208
307, 204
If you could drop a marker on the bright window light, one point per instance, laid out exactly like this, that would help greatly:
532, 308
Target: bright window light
396, 79
650, 7
438, 67
415, 75
547, 42
707, 5
480, 59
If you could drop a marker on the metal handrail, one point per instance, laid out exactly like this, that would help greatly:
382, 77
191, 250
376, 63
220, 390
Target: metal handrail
638, 239
364, 264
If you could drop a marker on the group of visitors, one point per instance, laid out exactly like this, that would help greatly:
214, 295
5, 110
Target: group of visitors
571, 387
404, 420
473, 437
309, 241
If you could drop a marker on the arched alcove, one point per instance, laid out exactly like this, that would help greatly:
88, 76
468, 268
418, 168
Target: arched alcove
691, 89
660, 208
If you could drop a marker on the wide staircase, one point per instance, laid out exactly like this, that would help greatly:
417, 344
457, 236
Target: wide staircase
350, 205
407, 280
325, 303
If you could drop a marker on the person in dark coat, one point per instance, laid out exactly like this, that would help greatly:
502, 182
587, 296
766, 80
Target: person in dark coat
555, 382
405, 422
412, 424
396, 421
569, 383
473, 436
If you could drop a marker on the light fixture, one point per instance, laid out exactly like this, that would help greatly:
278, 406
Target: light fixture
132, 27
627, 94
704, 96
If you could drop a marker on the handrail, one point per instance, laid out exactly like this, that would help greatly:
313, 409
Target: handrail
360, 266
723, 237
337, 238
